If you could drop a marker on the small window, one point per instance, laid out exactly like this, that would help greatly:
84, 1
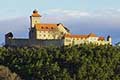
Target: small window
44, 35
42, 27
46, 27
51, 27
62, 33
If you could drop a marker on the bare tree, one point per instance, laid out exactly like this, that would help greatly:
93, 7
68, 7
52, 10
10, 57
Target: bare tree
6, 74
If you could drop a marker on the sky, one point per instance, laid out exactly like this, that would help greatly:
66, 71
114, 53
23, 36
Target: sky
101, 17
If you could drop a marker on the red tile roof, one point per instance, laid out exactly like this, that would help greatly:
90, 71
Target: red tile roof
92, 35
83, 36
45, 27
101, 38
75, 36
36, 14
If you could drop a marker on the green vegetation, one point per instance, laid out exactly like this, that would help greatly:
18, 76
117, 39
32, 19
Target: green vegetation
85, 62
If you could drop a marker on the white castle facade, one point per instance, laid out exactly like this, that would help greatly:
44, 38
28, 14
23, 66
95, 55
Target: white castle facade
41, 34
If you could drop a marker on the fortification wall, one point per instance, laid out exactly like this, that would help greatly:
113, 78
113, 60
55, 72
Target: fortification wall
34, 42
17, 42
40, 43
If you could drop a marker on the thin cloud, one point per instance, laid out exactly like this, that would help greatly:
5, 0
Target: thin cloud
108, 16
76, 13
67, 13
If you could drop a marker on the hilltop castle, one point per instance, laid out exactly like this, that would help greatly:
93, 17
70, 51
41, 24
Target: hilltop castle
52, 34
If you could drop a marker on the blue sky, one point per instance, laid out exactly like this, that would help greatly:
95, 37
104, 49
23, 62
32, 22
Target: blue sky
24, 7
80, 16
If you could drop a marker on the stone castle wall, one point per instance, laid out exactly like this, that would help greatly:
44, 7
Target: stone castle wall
34, 43
17, 42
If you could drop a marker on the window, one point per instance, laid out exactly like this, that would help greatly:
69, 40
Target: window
44, 35
51, 27
46, 27
35, 21
42, 27
68, 40
62, 33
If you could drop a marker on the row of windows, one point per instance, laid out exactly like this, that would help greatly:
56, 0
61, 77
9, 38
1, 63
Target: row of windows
76, 39
69, 40
52, 32
46, 35
84, 38
93, 38
47, 28
46, 31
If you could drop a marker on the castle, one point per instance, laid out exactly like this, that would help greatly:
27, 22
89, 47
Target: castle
52, 34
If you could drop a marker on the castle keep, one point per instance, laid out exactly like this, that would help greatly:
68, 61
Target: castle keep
41, 34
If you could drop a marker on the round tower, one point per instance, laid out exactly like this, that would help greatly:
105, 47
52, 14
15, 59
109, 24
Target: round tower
34, 18
109, 39
8, 37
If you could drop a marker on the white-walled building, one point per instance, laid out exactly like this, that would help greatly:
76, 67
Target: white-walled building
85, 39
57, 34
40, 30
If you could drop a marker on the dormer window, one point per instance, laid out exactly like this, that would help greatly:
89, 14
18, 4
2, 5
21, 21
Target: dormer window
42, 27
51, 27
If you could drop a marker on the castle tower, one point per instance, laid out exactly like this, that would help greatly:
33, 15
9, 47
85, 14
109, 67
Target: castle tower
8, 37
34, 18
109, 39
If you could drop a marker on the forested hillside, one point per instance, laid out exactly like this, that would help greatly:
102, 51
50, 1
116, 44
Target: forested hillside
85, 62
